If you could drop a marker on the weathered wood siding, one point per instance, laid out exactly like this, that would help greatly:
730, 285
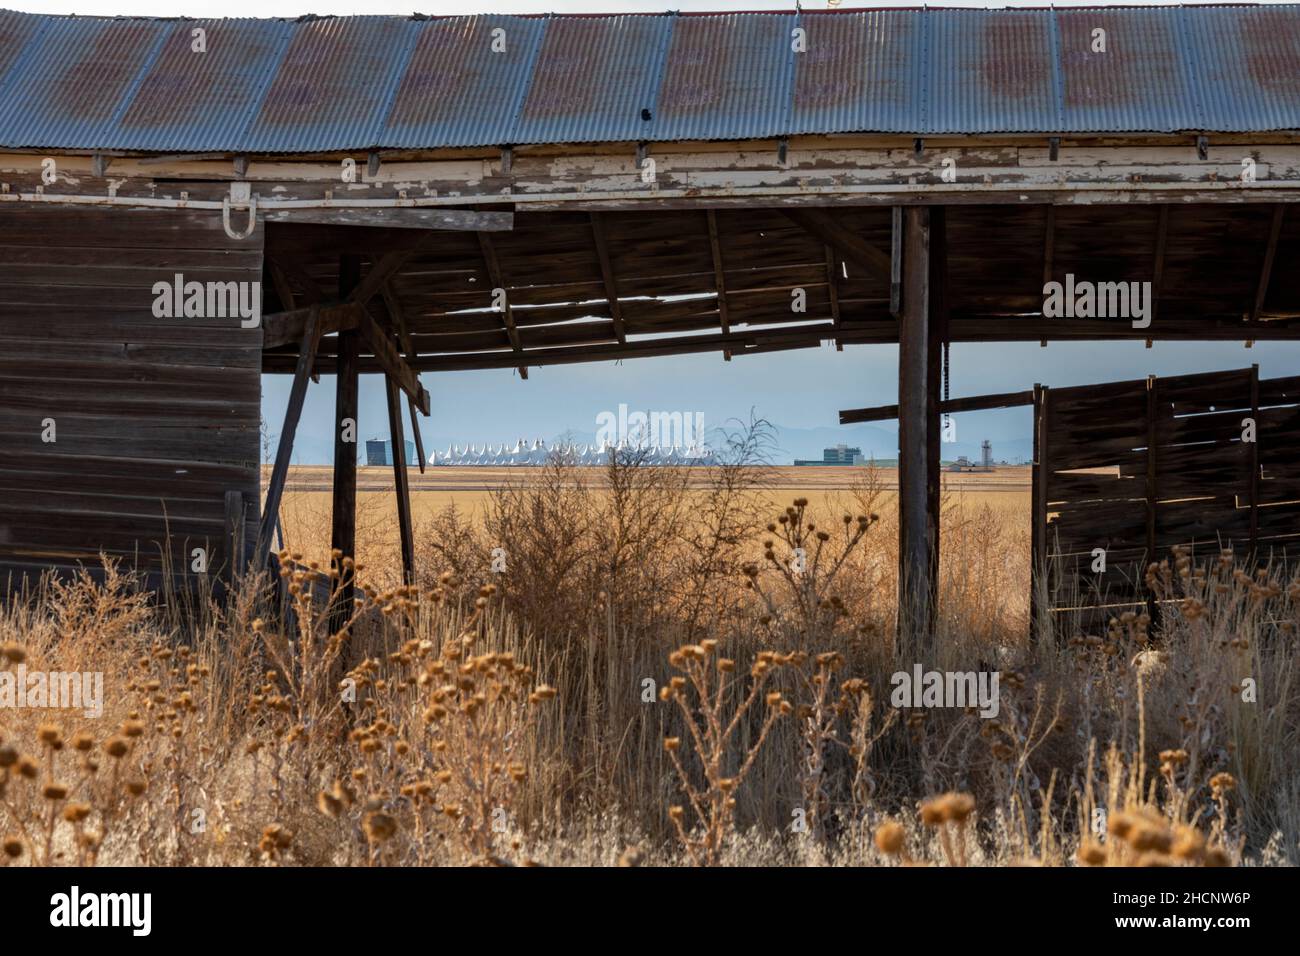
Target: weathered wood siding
155, 418
1179, 473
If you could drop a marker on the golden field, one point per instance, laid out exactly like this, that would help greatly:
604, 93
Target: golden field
628, 666
306, 505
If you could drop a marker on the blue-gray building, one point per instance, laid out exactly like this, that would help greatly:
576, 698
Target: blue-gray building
381, 452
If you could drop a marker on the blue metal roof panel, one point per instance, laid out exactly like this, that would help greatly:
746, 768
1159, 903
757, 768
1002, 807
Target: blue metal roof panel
594, 77
861, 72
727, 77
1248, 60
465, 83
353, 83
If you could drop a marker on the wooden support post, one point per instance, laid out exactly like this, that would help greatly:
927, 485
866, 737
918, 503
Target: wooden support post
401, 482
938, 320
1254, 465
344, 520
1152, 485
918, 397
284, 450
896, 261
1038, 547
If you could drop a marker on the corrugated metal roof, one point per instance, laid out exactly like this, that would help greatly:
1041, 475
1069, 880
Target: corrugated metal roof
353, 83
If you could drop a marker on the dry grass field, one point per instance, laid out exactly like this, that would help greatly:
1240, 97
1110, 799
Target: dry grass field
639, 676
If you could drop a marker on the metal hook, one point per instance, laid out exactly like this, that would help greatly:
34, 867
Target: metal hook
252, 218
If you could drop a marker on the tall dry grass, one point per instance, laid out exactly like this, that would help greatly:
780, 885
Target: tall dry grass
647, 680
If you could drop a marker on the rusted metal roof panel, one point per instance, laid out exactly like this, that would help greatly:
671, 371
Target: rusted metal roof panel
16, 33
74, 78
727, 77
334, 85
1143, 79
596, 78
354, 83
990, 71
861, 71
465, 82
204, 101
1247, 61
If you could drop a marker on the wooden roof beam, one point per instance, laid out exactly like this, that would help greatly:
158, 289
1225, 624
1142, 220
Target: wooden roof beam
284, 328
719, 278
391, 360
833, 290
825, 227
884, 413
497, 278
1266, 270
607, 275
404, 337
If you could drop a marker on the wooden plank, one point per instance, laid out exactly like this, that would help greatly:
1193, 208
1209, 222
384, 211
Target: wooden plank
284, 448
401, 483
719, 274
973, 403
607, 274
343, 521
399, 218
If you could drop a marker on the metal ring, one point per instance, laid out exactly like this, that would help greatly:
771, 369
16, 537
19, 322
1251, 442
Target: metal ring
252, 218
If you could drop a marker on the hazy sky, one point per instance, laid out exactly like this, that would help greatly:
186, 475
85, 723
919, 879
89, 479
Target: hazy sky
799, 389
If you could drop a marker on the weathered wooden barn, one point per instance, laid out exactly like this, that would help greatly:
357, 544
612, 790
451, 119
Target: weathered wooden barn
410, 195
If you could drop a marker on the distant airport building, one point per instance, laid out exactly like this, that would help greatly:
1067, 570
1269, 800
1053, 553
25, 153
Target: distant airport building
381, 452
539, 452
839, 455
963, 463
